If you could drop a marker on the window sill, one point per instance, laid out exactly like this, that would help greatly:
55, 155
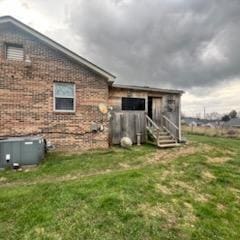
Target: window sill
65, 112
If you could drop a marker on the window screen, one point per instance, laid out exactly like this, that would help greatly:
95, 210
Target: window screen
14, 53
64, 95
133, 104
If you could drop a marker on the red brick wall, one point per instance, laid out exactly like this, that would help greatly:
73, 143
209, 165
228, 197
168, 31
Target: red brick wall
26, 95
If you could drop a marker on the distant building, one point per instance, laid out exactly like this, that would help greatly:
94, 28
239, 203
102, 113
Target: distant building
234, 122
191, 121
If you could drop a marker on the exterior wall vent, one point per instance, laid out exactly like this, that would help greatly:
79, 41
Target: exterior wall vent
15, 53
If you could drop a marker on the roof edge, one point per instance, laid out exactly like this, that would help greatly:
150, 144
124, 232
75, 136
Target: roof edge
146, 88
58, 46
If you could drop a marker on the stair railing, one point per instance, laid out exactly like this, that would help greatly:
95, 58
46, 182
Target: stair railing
170, 127
152, 127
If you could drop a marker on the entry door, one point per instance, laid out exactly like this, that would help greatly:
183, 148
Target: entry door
156, 110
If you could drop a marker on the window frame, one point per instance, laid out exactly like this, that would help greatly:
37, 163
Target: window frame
7, 45
134, 109
54, 98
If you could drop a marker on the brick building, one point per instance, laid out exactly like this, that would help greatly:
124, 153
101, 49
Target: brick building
45, 89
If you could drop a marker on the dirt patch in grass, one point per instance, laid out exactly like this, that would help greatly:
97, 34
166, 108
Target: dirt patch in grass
153, 211
170, 154
40, 233
164, 211
191, 190
124, 165
221, 207
3, 179
220, 155
184, 185
203, 198
168, 173
173, 213
206, 175
189, 217
164, 156
163, 189
236, 192
68, 177
64, 178
219, 160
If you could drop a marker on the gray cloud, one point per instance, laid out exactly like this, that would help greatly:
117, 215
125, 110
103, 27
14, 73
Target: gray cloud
165, 43
188, 44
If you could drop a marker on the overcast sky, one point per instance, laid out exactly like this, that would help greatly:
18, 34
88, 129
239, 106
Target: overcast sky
186, 44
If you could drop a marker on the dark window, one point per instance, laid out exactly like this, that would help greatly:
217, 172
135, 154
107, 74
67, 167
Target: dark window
133, 104
65, 104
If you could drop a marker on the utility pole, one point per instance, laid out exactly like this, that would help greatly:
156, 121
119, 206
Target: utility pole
204, 112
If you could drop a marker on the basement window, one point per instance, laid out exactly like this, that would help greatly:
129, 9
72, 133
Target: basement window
14, 52
133, 104
64, 97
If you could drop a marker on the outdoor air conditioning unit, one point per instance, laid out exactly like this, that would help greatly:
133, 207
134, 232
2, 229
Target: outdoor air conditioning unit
20, 151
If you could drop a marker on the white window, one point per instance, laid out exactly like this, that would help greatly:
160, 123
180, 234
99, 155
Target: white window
64, 97
14, 52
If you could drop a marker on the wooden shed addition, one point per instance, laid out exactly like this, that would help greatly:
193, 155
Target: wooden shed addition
151, 113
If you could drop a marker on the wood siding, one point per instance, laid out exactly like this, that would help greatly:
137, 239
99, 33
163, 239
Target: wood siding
127, 124
160, 106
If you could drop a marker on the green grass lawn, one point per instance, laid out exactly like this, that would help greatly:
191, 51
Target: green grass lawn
192, 192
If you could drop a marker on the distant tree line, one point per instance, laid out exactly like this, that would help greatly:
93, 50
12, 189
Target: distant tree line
231, 115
